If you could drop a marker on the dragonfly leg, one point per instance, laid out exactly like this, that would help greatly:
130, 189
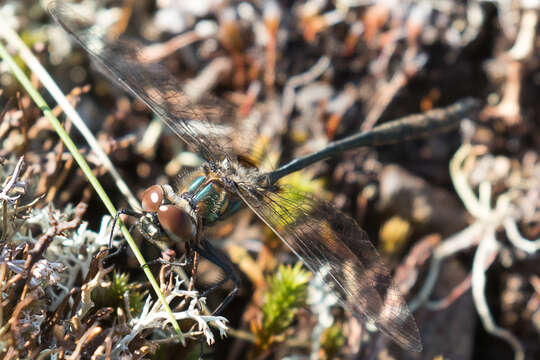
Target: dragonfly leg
195, 264
209, 252
115, 221
165, 262
117, 216
112, 255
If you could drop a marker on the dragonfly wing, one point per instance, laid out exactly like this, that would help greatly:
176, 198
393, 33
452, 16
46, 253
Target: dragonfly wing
329, 241
121, 62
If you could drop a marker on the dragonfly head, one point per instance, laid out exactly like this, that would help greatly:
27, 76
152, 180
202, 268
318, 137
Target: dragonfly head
175, 219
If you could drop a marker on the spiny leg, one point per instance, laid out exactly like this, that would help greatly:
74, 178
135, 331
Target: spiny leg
212, 254
115, 221
183, 262
117, 216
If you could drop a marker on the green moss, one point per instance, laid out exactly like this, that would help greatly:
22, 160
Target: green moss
287, 292
332, 340
113, 295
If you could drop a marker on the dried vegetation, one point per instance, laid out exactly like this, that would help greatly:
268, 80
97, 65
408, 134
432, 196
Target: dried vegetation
457, 215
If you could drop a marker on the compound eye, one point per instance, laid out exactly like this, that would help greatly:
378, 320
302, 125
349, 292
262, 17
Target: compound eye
176, 221
152, 198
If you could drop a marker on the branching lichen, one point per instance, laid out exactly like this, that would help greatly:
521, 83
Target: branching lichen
58, 296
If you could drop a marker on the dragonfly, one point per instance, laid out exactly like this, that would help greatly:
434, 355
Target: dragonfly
326, 240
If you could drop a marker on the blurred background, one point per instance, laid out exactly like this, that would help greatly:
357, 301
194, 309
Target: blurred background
457, 215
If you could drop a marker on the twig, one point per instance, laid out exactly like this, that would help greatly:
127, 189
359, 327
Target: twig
489, 247
16, 314
388, 90
156, 52
12, 182
456, 293
207, 79
529, 246
458, 242
488, 220
301, 79
4, 221
459, 178
448, 300
407, 273
87, 337
525, 40
5, 198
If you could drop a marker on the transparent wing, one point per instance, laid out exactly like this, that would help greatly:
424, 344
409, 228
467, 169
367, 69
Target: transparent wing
121, 62
330, 242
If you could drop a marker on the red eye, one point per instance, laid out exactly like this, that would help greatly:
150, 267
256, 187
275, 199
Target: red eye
152, 198
176, 221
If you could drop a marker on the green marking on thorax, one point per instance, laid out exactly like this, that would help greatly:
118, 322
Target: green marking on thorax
212, 201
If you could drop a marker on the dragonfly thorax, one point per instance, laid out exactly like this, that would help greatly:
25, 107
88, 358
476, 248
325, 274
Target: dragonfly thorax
210, 192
